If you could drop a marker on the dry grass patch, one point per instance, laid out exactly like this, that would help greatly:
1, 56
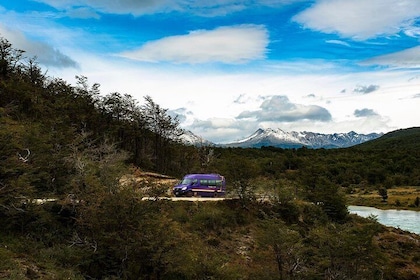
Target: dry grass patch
398, 198
148, 183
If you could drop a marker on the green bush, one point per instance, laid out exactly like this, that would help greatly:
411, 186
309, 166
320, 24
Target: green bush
210, 217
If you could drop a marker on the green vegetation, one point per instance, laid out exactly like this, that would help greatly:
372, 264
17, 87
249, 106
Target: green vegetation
289, 219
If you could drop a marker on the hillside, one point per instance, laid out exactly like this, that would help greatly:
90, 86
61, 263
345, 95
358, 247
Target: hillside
408, 138
220, 240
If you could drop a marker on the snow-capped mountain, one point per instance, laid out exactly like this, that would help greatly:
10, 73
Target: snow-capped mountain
281, 139
189, 138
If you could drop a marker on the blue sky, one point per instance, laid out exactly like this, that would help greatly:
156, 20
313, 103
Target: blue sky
229, 67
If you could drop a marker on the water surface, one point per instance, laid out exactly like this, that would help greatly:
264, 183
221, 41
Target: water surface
403, 219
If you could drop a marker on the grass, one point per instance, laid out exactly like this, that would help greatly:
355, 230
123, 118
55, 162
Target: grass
398, 198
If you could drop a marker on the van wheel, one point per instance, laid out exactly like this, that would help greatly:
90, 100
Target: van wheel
189, 193
215, 194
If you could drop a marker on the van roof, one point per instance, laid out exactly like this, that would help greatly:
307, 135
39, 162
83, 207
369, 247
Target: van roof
204, 176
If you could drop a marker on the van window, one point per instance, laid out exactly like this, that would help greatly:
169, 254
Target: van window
204, 182
211, 182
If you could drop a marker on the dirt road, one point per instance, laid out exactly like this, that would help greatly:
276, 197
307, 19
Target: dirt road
186, 198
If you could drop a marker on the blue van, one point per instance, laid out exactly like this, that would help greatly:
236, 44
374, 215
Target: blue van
209, 185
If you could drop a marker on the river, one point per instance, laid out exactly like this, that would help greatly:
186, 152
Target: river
404, 219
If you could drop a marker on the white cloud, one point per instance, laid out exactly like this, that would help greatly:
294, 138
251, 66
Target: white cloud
222, 130
409, 58
360, 19
413, 32
360, 113
235, 44
365, 89
134, 7
82, 13
205, 8
280, 109
45, 53
211, 8
338, 42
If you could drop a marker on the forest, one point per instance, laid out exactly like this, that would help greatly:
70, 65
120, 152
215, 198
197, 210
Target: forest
74, 143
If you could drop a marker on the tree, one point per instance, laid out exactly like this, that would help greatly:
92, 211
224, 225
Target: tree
165, 129
34, 73
9, 59
346, 251
121, 107
328, 196
383, 193
285, 245
97, 167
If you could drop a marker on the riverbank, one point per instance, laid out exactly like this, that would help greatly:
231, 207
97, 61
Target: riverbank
400, 198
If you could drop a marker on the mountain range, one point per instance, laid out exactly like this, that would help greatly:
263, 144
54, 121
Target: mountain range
287, 140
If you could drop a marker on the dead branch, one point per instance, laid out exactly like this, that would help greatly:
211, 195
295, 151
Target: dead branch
24, 158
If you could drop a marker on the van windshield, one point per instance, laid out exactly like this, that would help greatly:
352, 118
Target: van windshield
189, 181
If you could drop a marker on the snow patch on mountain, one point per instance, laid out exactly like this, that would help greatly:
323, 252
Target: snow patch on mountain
189, 138
293, 139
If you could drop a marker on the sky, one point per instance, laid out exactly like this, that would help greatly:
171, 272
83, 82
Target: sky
228, 67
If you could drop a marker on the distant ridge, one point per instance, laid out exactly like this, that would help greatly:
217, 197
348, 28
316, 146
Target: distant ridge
282, 139
407, 138
288, 140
